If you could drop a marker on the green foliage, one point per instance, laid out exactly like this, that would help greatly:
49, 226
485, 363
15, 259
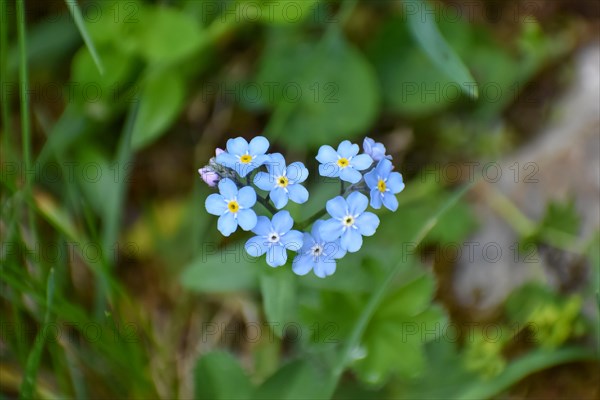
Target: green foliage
278, 289
218, 376
325, 90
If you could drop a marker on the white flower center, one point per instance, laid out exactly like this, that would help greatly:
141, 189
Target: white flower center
316, 250
273, 237
348, 221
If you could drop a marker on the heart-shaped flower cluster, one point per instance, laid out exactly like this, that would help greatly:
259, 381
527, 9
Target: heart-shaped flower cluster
243, 167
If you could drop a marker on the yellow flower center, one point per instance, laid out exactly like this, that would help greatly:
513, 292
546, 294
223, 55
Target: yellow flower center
348, 220
233, 206
381, 185
343, 162
282, 181
246, 158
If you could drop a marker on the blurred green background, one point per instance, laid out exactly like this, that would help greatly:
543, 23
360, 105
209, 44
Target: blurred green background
115, 282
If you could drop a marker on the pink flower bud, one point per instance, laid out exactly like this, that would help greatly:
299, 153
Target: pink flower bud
209, 176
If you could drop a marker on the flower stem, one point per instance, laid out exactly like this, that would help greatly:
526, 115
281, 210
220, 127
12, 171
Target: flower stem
306, 223
266, 204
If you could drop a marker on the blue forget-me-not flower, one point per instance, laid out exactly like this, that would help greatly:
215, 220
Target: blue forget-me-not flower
384, 185
233, 206
344, 163
283, 182
244, 157
274, 238
375, 149
317, 254
349, 222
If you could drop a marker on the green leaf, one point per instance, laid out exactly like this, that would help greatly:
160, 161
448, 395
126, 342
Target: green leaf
218, 376
167, 34
279, 298
79, 21
297, 380
286, 11
221, 270
425, 31
161, 101
321, 93
394, 340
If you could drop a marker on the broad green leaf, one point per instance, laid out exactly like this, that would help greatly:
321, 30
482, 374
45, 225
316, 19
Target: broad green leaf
425, 31
411, 85
295, 381
221, 270
218, 376
320, 93
161, 101
167, 34
278, 289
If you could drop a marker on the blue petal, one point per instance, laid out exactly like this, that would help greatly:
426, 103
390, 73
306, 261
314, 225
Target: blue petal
307, 242
279, 197
263, 226
346, 149
375, 198
349, 174
367, 223
357, 203
258, 145
316, 234
384, 167
228, 160
227, 224
296, 172
395, 182
324, 268
237, 146
368, 143
215, 204
390, 201
276, 165
297, 193
260, 160
228, 189
302, 264
292, 240
276, 256
331, 229
327, 154
244, 169
264, 181
361, 161
351, 240
282, 222
247, 219
256, 246
371, 179
337, 207
246, 197
336, 251
329, 169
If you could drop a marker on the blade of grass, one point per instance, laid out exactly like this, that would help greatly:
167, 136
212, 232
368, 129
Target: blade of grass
4, 77
113, 210
524, 366
33, 361
367, 313
80, 23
